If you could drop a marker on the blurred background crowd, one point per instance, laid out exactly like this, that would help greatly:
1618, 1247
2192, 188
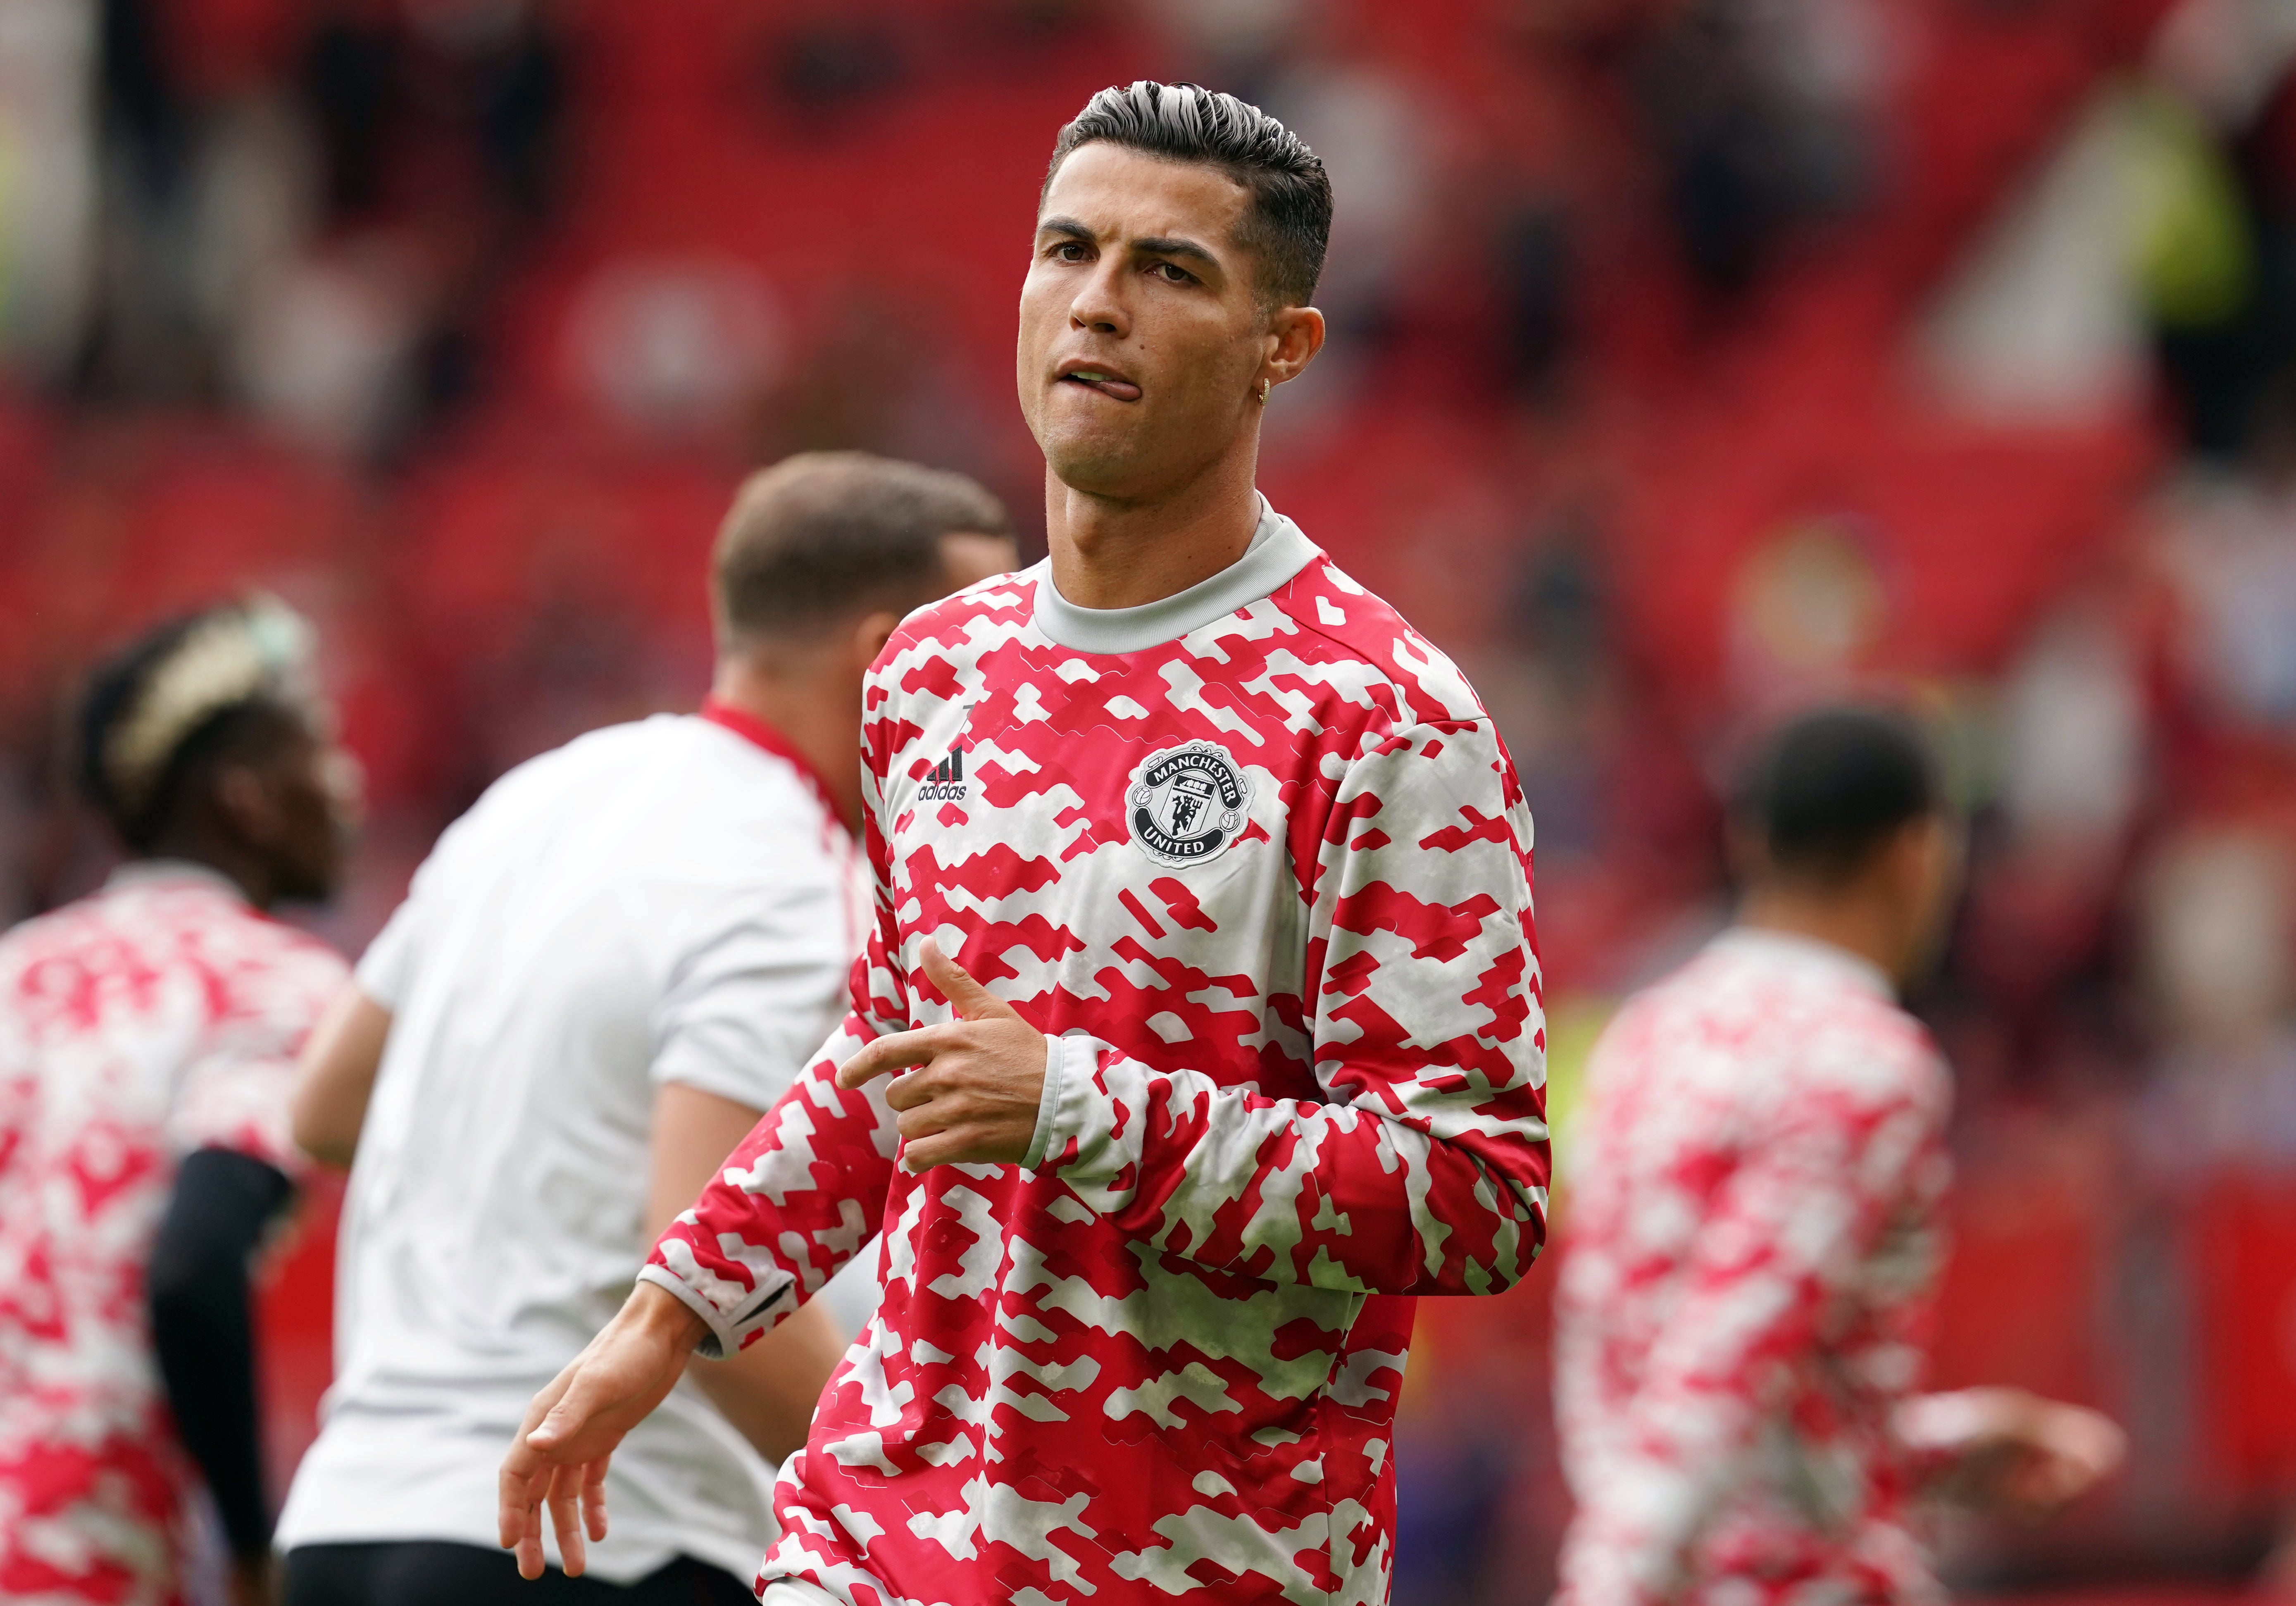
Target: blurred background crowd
1690, 357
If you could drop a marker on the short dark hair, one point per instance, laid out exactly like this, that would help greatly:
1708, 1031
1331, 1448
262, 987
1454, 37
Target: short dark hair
1288, 226
1835, 784
141, 803
824, 536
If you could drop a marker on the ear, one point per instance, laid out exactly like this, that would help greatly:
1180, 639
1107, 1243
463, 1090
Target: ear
249, 805
870, 635
1295, 334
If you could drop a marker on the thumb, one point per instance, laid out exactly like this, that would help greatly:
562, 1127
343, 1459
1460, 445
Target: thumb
969, 999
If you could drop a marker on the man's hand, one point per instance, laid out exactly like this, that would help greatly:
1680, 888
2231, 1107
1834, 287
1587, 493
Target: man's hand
2014, 1452
571, 1428
980, 1077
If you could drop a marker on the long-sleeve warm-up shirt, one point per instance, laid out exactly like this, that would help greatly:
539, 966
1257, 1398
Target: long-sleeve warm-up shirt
1255, 860
1752, 1243
156, 1018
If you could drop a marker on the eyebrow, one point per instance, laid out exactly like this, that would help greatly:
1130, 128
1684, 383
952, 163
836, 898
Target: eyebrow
1153, 245
1163, 246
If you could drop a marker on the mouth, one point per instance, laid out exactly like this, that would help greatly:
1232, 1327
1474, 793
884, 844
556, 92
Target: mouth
1106, 380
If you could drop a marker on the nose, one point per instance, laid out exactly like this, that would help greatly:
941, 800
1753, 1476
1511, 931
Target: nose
1099, 305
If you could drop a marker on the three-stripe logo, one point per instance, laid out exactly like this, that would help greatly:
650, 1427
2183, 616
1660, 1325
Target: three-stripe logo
945, 784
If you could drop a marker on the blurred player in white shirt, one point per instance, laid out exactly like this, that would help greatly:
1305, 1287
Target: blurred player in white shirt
601, 976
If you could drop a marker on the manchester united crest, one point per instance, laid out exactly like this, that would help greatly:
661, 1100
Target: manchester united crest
1187, 804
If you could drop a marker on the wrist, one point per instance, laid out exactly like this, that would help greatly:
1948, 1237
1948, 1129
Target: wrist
658, 1315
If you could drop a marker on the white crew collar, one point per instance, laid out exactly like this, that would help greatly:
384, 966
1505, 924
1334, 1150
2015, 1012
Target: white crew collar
1278, 550
1812, 952
154, 873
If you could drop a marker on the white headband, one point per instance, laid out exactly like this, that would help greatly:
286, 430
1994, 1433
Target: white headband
232, 655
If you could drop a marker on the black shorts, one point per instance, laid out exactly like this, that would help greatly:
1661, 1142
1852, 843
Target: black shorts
429, 1572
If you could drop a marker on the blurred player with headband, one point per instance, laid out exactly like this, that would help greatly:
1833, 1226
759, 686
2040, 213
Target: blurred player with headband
147, 1042
1199, 1028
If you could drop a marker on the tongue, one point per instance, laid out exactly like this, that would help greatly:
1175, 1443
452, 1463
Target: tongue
1121, 389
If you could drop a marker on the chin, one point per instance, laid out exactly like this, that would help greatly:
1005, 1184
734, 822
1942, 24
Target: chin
1094, 464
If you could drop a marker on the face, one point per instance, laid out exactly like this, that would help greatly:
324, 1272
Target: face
1926, 861
299, 812
1142, 342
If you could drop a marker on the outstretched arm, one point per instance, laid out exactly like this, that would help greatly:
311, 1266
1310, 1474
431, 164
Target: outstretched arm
796, 1200
768, 1391
559, 1457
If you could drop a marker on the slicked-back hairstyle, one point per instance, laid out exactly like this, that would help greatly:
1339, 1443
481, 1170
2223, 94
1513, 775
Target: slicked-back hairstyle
141, 801
1832, 786
823, 537
1288, 224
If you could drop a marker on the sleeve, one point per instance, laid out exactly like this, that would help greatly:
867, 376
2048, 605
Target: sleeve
382, 970
806, 1190
1425, 1168
203, 1330
748, 1005
387, 969
1781, 1242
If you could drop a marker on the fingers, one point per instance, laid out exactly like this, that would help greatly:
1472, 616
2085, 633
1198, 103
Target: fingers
527, 1542
940, 1149
969, 999
517, 1524
895, 1050
566, 1517
594, 1500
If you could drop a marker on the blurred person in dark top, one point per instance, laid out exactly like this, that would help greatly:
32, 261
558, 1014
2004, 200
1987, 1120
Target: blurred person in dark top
601, 976
147, 1042
1759, 1171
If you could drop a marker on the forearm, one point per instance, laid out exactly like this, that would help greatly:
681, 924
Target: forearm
799, 1197
1291, 1190
202, 1329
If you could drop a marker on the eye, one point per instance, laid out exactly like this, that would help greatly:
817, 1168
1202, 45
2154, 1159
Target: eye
1068, 251
1172, 273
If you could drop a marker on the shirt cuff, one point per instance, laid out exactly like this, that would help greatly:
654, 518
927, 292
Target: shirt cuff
723, 1339
1057, 1050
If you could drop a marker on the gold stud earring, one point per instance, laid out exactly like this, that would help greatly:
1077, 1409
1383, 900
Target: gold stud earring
1264, 385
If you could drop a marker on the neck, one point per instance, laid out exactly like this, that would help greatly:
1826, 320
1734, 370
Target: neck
1112, 554
814, 705
243, 868
1858, 925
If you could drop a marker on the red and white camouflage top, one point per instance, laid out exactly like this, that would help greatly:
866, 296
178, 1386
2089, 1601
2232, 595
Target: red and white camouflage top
1256, 861
158, 1016
1745, 1281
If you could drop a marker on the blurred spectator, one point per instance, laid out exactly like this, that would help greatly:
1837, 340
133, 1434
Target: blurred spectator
47, 181
2220, 962
676, 346
1763, 113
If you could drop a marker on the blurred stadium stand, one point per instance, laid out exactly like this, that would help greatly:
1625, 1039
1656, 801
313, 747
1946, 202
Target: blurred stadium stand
1690, 357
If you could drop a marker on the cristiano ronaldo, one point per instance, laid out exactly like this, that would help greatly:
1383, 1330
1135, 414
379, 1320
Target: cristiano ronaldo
1198, 1028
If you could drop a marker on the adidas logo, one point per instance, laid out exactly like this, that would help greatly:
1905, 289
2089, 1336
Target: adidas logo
945, 784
